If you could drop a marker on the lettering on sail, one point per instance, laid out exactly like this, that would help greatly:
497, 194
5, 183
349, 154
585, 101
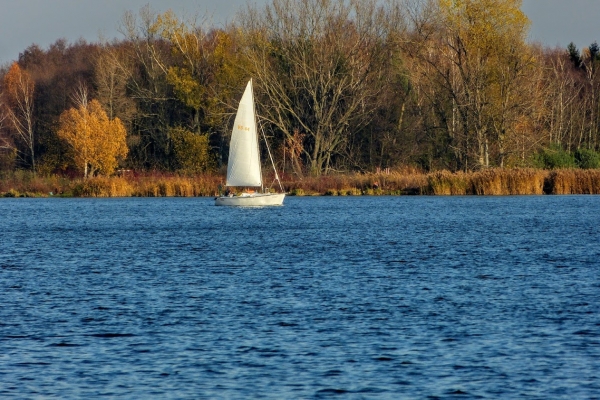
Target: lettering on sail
243, 128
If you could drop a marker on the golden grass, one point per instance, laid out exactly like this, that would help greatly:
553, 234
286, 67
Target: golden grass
102, 187
490, 182
396, 182
177, 186
497, 181
26, 184
574, 181
447, 183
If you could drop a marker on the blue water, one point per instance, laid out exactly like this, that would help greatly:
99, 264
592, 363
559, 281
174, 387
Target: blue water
358, 297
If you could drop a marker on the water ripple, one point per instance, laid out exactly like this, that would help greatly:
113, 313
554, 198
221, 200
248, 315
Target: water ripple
390, 297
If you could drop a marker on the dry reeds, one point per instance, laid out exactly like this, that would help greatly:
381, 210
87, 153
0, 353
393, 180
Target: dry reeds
102, 187
176, 186
447, 183
573, 181
498, 181
490, 182
501, 182
392, 183
26, 184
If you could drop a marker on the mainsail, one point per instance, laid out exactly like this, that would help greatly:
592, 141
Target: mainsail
243, 168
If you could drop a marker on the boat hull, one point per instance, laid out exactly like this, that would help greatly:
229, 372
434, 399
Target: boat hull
251, 200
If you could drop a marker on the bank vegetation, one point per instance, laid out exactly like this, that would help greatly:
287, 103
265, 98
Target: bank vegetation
494, 181
446, 94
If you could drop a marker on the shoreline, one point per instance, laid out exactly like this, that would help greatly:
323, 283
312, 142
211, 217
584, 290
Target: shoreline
495, 182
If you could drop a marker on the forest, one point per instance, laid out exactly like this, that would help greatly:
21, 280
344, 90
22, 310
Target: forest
342, 86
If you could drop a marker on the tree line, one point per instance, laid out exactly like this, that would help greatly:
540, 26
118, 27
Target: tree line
341, 85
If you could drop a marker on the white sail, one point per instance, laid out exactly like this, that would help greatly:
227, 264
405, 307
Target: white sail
243, 168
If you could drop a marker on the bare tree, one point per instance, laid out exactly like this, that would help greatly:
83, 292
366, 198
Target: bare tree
111, 81
18, 106
563, 91
5, 142
321, 66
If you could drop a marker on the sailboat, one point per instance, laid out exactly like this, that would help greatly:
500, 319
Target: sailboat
243, 168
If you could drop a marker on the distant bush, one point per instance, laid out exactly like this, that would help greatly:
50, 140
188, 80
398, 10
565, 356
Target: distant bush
191, 151
587, 159
554, 157
27, 184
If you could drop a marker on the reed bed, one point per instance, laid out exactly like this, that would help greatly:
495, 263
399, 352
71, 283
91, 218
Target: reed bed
573, 181
405, 181
501, 182
177, 186
495, 182
26, 184
102, 187
446, 183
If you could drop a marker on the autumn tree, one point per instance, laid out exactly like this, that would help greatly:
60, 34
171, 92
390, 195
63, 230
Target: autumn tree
340, 85
96, 141
205, 63
588, 137
472, 59
572, 98
205, 72
18, 97
563, 90
55, 70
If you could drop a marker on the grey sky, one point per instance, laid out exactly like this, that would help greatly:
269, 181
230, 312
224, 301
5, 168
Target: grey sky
24, 22
559, 22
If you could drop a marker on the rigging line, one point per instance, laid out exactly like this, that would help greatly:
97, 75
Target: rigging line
268, 149
271, 157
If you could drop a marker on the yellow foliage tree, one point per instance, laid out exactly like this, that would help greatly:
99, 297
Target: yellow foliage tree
209, 65
473, 61
486, 40
96, 141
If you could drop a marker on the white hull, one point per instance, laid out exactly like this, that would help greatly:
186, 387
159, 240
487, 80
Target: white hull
251, 200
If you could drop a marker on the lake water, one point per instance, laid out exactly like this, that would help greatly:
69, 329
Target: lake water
357, 297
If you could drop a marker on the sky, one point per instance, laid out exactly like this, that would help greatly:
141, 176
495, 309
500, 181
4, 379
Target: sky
555, 23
